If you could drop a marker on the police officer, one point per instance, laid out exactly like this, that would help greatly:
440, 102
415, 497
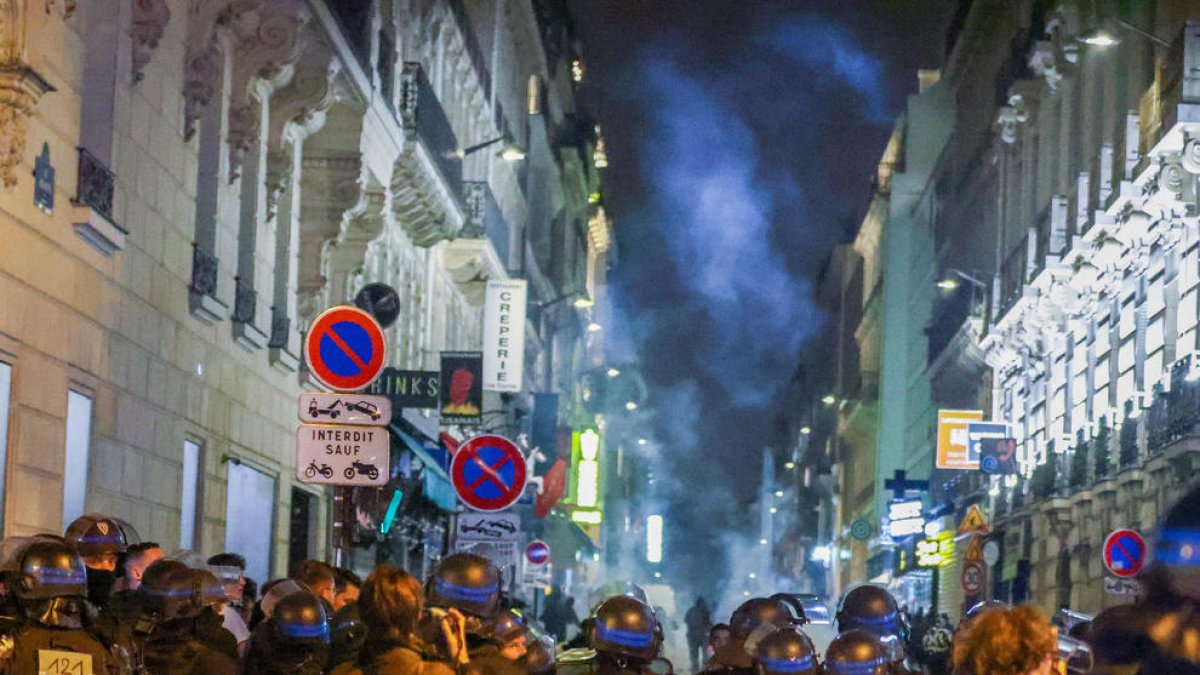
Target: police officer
786, 651
502, 644
295, 640
755, 614
1170, 613
101, 541
872, 609
471, 584
180, 632
539, 653
51, 589
624, 640
856, 652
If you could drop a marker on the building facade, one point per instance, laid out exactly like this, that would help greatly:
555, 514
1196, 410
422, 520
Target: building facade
187, 184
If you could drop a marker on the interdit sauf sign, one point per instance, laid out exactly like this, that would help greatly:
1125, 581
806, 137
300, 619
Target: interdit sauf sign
504, 335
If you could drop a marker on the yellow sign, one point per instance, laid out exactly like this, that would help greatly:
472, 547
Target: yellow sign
974, 550
51, 662
952, 438
973, 522
935, 552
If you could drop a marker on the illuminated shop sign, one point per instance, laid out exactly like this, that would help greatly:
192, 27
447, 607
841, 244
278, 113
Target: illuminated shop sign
905, 518
935, 552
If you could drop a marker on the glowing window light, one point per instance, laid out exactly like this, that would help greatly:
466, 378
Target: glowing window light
654, 538
589, 445
577, 70
587, 517
589, 480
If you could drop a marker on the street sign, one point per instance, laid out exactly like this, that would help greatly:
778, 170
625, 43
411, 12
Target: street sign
973, 522
354, 409
860, 530
977, 434
998, 456
344, 348
1124, 553
409, 388
342, 455
537, 576
1122, 586
488, 473
952, 439
490, 527
991, 553
380, 301
974, 552
973, 576
537, 553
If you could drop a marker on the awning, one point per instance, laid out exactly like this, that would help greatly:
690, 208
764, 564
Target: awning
435, 483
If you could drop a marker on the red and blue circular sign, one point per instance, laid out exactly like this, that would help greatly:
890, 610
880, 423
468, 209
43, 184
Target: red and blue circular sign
537, 553
488, 473
345, 348
1124, 553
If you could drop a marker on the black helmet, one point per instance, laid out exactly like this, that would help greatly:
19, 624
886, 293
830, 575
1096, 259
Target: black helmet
787, 650
299, 618
50, 568
625, 626
99, 535
795, 607
1176, 547
507, 626
210, 588
870, 608
755, 612
466, 582
173, 590
856, 652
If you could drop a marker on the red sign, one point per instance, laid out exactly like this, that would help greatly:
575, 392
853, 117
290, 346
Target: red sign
973, 577
554, 484
1124, 553
488, 473
345, 348
537, 553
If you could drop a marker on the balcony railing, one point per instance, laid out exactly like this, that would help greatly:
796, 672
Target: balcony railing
484, 218
245, 301
281, 324
1012, 278
422, 113
96, 184
204, 272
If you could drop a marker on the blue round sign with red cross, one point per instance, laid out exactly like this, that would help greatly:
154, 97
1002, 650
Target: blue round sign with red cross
488, 473
1124, 553
537, 553
345, 348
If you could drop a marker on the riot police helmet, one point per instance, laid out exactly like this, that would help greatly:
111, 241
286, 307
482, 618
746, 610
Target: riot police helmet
539, 655
856, 652
467, 582
873, 609
623, 626
94, 535
795, 607
50, 568
300, 619
786, 651
755, 612
507, 626
210, 588
173, 590
985, 606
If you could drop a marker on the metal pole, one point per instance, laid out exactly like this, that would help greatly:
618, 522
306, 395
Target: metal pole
340, 534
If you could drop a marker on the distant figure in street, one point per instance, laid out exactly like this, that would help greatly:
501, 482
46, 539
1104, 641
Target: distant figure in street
569, 617
552, 615
699, 621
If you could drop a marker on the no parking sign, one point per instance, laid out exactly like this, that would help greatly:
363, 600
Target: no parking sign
488, 473
345, 348
1124, 553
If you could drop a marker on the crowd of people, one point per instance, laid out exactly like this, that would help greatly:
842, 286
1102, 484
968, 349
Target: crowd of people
97, 600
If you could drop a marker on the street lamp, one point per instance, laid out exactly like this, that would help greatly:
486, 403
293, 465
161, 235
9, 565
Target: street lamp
631, 406
594, 327
950, 281
1100, 37
510, 153
579, 300
613, 372
828, 399
806, 430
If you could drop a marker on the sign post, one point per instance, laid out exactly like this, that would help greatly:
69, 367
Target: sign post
340, 441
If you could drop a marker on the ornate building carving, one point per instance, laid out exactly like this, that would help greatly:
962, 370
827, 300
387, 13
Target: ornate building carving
150, 18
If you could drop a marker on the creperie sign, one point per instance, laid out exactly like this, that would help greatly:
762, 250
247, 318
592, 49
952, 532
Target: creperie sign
504, 335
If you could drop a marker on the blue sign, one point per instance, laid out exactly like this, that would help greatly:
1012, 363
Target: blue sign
1124, 553
977, 432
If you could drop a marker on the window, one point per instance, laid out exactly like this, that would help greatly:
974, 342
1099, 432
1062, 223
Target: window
5, 401
189, 488
250, 518
75, 466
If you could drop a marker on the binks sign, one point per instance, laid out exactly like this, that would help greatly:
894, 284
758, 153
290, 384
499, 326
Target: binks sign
504, 335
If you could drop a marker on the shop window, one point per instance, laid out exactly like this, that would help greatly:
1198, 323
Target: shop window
250, 518
189, 494
75, 465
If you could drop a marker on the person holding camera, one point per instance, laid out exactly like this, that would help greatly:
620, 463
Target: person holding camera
392, 605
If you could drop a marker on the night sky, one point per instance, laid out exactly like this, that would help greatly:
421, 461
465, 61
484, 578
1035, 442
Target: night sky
742, 136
